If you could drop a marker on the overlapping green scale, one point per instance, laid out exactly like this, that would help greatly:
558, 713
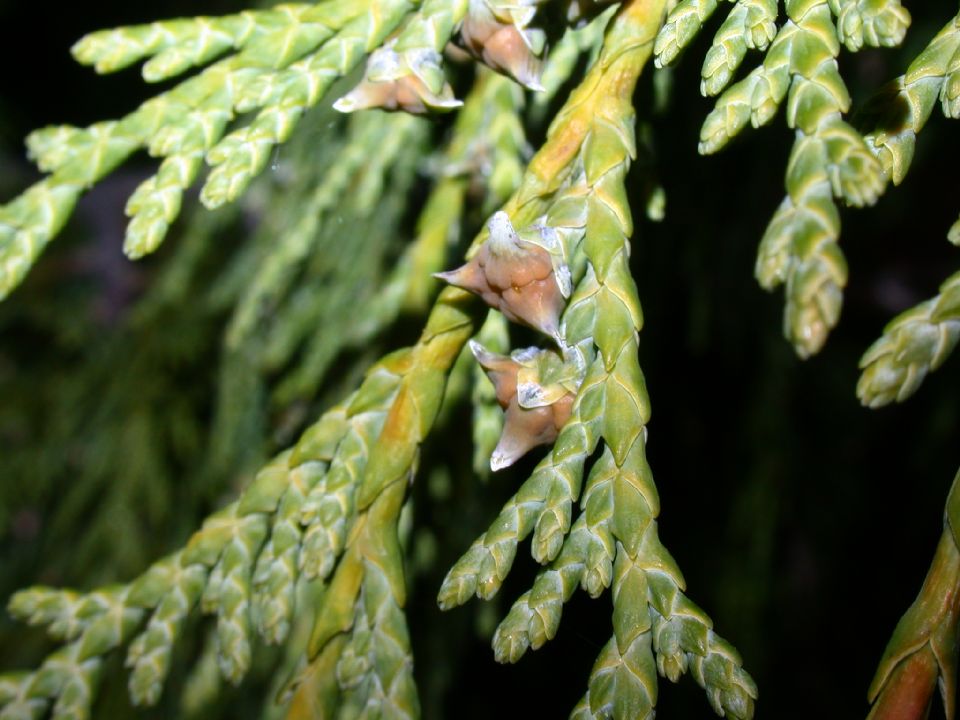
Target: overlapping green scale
172, 591
613, 541
285, 95
923, 651
315, 538
830, 160
894, 133
750, 25
242, 566
913, 344
869, 23
284, 61
680, 28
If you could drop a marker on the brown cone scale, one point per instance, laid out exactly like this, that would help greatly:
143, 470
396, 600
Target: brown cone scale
523, 428
408, 94
394, 81
502, 47
514, 276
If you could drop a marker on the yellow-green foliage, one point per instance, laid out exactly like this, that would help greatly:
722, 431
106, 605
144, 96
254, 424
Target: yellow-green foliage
313, 553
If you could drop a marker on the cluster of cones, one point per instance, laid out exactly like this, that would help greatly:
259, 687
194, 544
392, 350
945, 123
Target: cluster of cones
526, 278
412, 79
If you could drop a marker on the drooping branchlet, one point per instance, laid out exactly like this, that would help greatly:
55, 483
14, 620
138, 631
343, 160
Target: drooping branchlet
536, 390
524, 276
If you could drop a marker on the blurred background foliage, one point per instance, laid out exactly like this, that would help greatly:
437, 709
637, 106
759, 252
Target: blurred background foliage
134, 401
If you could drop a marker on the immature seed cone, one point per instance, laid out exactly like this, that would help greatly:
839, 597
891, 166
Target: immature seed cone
534, 413
408, 94
502, 46
399, 81
518, 277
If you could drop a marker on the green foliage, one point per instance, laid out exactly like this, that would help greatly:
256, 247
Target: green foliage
311, 550
829, 158
283, 62
914, 343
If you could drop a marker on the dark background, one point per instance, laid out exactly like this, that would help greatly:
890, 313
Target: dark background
804, 523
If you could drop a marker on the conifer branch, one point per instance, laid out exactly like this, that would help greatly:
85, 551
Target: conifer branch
915, 342
922, 653
284, 62
316, 542
920, 339
903, 107
565, 54
352, 173
829, 158
614, 540
243, 567
485, 149
367, 590
751, 25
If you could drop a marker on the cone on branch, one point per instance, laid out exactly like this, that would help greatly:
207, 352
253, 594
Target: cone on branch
401, 81
504, 44
524, 277
536, 389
